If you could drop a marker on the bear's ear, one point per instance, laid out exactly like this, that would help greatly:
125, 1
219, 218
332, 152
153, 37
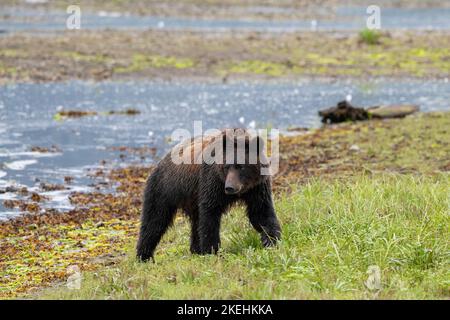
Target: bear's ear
257, 142
255, 149
261, 142
228, 141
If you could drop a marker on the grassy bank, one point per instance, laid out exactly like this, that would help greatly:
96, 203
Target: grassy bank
349, 196
333, 234
110, 54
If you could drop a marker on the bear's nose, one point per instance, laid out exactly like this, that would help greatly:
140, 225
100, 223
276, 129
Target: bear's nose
230, 190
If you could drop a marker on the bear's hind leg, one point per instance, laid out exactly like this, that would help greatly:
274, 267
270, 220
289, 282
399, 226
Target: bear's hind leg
157, 216
192, 213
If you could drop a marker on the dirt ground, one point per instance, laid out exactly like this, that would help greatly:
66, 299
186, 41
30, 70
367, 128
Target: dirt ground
168, 55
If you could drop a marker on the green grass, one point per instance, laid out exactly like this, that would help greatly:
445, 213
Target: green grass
82, 57
333, 233
141, 62
369, 36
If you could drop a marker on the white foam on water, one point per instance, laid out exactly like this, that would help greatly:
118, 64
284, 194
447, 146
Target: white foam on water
36, 1
2, 174
19, 164
109, 14
7, 196
59, 199
8, 215
3, 183
31, 154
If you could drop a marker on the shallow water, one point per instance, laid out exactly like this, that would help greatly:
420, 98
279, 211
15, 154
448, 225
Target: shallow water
27, 119
400, 18
346, 19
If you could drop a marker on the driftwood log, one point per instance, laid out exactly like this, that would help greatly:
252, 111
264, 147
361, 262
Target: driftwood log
394, 111
344, 111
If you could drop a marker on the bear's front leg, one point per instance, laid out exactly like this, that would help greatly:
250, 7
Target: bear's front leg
269, 228
209, 229
212, 205
261, 214
195, 240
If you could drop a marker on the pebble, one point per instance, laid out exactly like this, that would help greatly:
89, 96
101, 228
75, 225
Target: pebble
354, 147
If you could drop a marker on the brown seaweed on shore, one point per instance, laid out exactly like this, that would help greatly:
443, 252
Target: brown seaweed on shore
29, 207
83, 113
51, 187
76, 113
52, 149
126, 112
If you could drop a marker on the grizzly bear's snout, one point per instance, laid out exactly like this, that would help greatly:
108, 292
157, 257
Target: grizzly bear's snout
233, 184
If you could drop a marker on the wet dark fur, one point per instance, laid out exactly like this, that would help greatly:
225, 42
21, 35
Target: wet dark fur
198, 190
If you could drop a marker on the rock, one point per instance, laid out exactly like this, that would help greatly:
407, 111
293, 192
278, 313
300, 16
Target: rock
74, 277
373, 281
355, 148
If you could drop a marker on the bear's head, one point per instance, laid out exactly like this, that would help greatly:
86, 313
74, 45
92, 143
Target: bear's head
243, 159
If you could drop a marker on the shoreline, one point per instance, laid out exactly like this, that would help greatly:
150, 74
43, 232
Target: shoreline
254, 9
39, 248
147, 55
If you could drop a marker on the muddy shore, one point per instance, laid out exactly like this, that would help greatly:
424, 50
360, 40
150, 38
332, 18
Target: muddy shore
102, 55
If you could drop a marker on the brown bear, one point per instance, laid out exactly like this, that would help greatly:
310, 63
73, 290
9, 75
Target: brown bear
205, 191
